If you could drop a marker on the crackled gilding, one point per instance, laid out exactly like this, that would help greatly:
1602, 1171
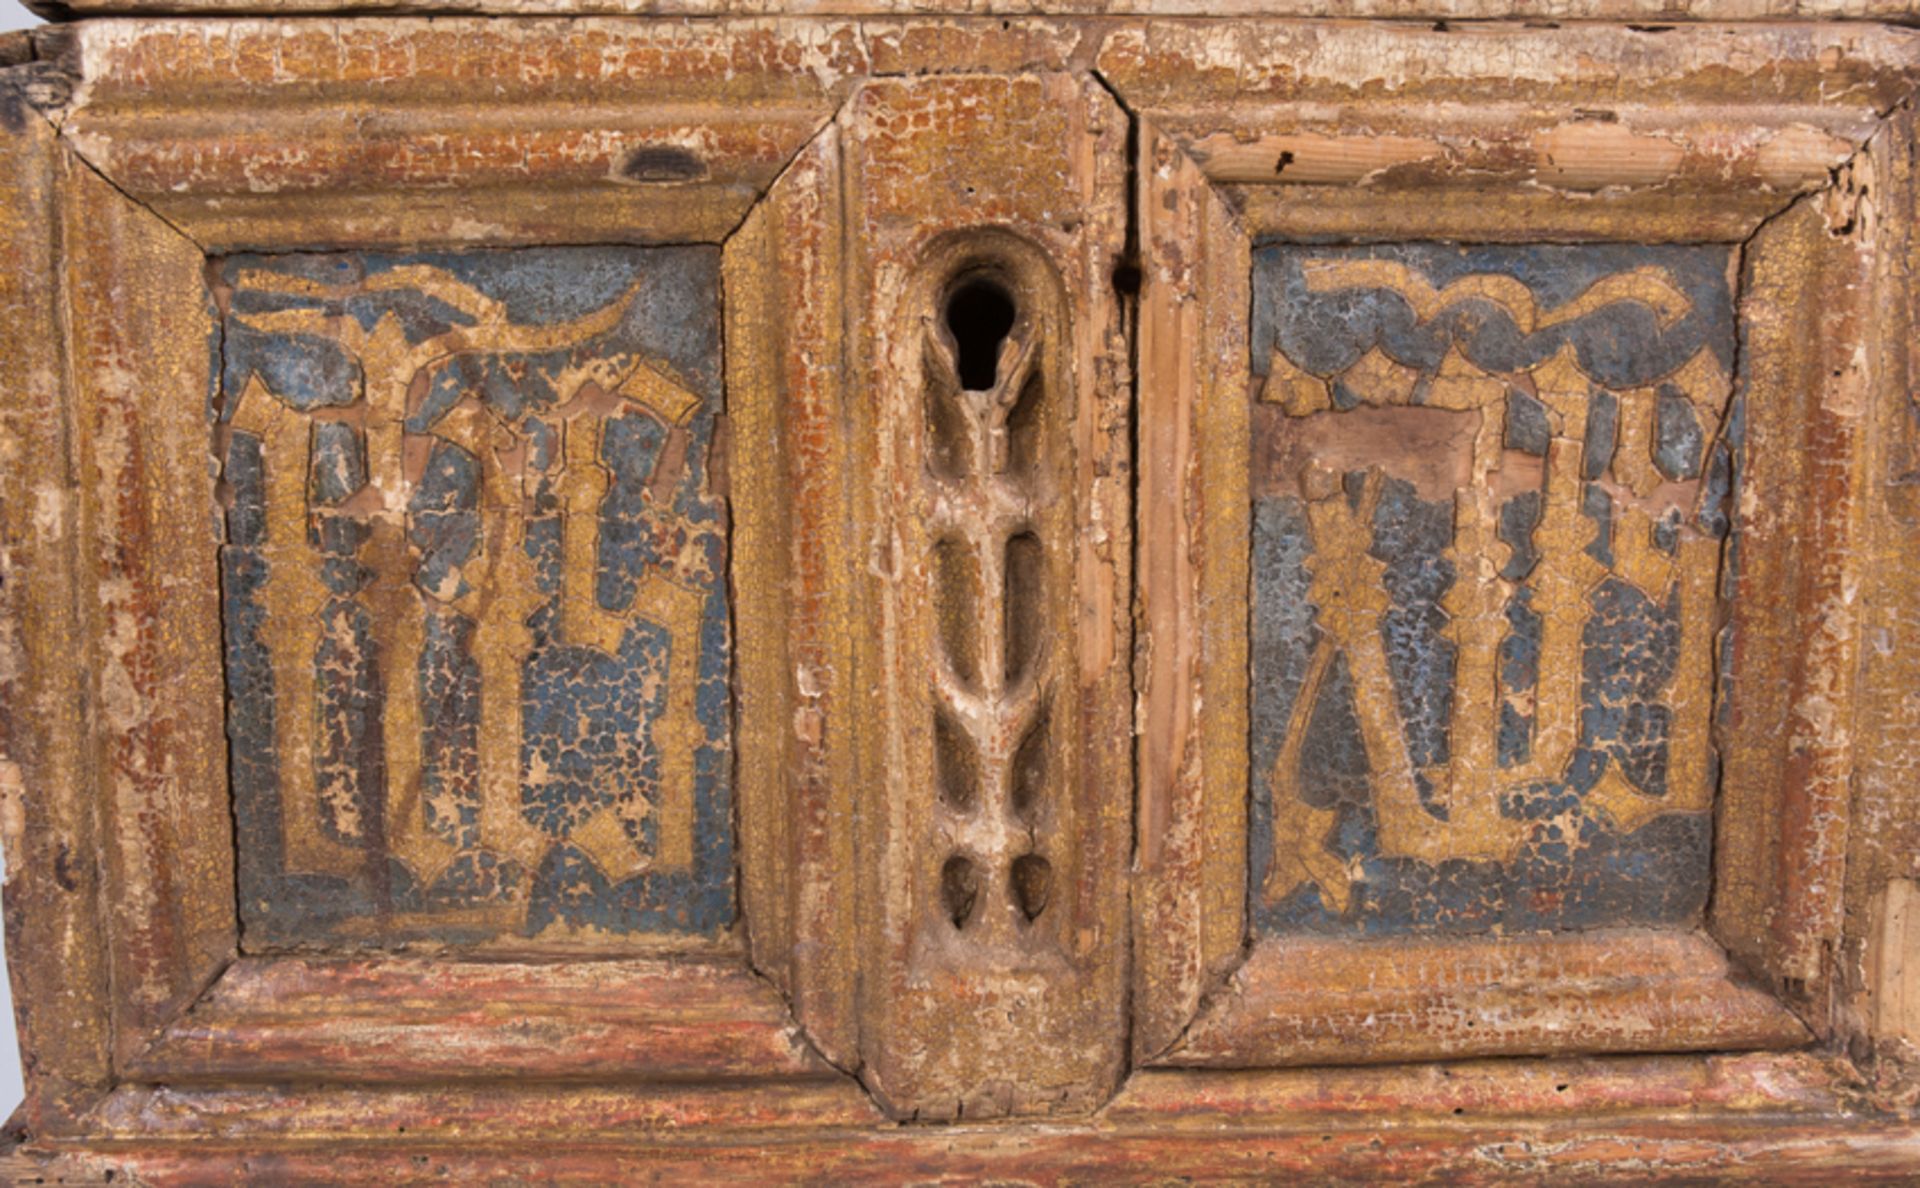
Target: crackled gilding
477, 645
1482, 643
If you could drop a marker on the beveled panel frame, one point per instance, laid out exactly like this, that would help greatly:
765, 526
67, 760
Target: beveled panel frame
1505, 136
117, 519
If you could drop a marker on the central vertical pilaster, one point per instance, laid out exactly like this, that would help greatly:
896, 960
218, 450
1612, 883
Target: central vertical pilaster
990, 401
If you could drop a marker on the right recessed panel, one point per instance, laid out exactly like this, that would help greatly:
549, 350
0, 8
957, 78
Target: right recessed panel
1491, 495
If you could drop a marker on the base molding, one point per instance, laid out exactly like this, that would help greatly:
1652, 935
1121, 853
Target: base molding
1782, 1118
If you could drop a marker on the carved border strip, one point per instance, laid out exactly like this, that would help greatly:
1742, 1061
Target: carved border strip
361, 134
424, 1020
1666, 11
1635, 1118
927, 781
53, 889
1194, 511
1504, 134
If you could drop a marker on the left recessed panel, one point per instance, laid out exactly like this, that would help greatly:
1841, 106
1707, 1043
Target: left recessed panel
477, 650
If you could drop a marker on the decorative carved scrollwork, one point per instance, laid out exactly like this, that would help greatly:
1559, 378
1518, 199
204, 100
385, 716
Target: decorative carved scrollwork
936, 633
992, 680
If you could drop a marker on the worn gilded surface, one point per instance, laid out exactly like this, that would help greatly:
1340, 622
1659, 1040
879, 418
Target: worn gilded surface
989, 416
1211, 707
1490, 490
475, 610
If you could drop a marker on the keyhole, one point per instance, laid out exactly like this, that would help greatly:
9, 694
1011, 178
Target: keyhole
979, 315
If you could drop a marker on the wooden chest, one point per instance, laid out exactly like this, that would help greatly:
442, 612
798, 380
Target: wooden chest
1317, 590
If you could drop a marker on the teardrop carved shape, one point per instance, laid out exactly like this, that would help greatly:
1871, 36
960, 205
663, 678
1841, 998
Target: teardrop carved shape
1031, 882
959, 889
956, 762
979, 314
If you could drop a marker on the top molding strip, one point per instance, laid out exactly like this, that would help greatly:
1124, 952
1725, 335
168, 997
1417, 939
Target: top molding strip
416, 132
1649, 11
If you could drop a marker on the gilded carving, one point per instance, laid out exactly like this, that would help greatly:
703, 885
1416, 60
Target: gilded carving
987, 444
1495, 569
476, 616
1490, 490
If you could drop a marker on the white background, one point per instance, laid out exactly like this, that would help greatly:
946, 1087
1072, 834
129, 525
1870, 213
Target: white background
12, 16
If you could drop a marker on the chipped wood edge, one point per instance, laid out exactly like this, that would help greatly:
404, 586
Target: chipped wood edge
47, 808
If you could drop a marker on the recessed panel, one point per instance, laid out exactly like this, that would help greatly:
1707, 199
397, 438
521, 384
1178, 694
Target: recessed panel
1490, 515
475, 609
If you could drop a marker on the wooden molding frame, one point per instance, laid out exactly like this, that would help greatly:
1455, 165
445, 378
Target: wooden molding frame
1419, 10
411, 1020
157, 1047
1273, 142
1317, 1002
1784, 1118
123, 305
396, 149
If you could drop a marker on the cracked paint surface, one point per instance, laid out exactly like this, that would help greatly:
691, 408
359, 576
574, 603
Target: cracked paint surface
475, 605
1488, 527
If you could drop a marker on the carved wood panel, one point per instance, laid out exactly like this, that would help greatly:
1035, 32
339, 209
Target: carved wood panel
1145, 589
474, 596
1491, 490
979, 697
